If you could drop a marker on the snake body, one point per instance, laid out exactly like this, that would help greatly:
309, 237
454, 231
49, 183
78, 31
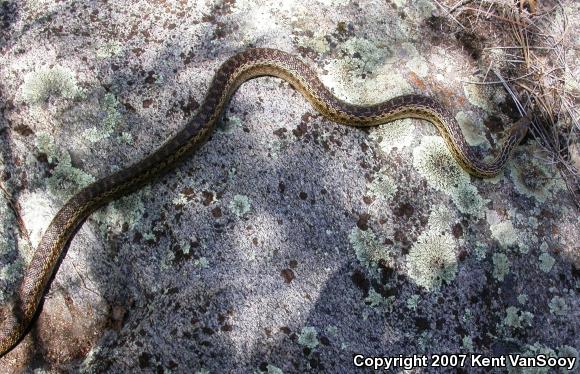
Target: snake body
16, 319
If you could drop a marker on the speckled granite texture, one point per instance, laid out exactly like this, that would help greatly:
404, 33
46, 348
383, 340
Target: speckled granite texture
287, 243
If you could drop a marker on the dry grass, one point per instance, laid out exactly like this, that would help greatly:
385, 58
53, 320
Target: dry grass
525, 46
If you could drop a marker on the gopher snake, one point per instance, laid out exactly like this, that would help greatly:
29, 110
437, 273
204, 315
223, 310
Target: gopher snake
15, 320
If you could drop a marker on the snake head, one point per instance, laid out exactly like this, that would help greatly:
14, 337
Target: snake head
519, 129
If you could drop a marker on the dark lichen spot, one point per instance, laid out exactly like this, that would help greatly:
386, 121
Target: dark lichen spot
23, 130
324, 340
208, 197
281, 187
359, 280
303, 195
421, 323
288, 275
404, 209
457, 230
144, 360
216, 212
207, 330
363, 221
293, 264
281, 132
285, 330
227, 328
147, 103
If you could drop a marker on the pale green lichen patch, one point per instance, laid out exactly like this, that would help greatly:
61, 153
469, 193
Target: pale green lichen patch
229, 125
109, 49
440, 218
317, 42
308, 337
363, 55
240, 205
473, 135
271, 369
413, 302
45, 144
65, 179
383, 186
434, 161
479, 95
546, 262
467, 200
467, 343
127, 210
397, 134
432, 260
501, 266
111, 120
516, 318
349, 75
369, 251
558, 306
532, 178
55, 82
201, 263
505, 233
375, 299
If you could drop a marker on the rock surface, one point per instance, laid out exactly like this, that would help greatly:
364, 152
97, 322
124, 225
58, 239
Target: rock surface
288, 243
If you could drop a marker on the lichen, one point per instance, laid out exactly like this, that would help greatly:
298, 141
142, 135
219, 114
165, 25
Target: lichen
473, 135
240, 205
505, 233
383, 186
55, 82
367, 248
111, 120
398, 134
316, 42
271, 369
46, 145
432, 260
532, 178
517, 319
558, 306
467, 200
546, 262
413, 302
501, 266
363, 55
533, 351
109, 49
308, 337
440, 218
201, 263
522, 298
434, 161
568, 351
127, 210
126, 138
375, 299
479, 95
65, 179
467, 343
229, 124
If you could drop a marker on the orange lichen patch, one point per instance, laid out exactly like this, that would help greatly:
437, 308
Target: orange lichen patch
417, 82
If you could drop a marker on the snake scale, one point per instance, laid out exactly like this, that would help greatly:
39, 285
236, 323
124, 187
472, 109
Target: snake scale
15, 319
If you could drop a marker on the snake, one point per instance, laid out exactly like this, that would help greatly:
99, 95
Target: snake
16, 317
